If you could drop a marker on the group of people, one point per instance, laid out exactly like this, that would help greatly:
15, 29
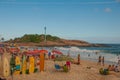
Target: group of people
113, 68
101, 60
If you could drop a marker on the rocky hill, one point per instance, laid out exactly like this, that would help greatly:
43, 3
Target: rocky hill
39, 40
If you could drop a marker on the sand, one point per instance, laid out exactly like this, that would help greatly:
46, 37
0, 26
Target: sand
77, 72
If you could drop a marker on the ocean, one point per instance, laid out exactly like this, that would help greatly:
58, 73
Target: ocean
111, 52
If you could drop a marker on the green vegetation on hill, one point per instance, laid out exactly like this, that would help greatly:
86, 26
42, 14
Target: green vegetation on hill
35, 38
38, 40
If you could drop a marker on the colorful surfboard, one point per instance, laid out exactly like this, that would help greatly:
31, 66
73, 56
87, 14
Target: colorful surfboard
31, 64
42, 62
24, 65
17, 64
6, 67
0, 65
12, 64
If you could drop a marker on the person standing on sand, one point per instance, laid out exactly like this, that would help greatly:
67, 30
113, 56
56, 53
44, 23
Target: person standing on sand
99, 60
118, 62
103, 60
68, 64
49, 55
78, 59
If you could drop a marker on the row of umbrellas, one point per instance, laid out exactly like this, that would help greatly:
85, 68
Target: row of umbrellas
35, 52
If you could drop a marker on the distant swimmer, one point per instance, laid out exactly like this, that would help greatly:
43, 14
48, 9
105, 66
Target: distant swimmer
88, 55
96, 52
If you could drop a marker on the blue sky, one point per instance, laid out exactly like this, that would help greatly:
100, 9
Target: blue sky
95, 21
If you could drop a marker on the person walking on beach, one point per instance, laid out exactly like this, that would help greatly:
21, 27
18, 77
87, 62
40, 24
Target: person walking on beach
99, 61
103, 60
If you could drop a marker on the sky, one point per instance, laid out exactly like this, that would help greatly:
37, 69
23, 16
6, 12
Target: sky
94, 21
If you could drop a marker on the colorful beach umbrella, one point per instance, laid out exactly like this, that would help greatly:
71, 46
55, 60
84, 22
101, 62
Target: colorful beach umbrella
56, 52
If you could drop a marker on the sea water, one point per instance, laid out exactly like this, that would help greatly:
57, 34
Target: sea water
111, 52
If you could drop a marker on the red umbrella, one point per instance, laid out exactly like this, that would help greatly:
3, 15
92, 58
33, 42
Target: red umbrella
31, 52
56, 52
43, 51
14, 50
35, 52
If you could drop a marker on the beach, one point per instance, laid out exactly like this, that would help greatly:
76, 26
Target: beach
77, 72
87, 70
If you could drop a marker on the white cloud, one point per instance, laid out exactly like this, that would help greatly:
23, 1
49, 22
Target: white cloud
107, 10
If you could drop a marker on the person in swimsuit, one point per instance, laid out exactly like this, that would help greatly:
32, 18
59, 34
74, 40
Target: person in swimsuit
99, 60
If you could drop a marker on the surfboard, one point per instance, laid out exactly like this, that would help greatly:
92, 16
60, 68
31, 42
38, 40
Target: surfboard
12, 64
17, 64
31, 64
24, 65
42, 62
0, 65
6, 67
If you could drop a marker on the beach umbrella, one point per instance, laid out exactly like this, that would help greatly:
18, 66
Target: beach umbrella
56, 52
32, 52
14, 50
35, 52
43, 51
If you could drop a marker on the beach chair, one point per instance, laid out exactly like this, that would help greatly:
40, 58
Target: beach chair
58, 67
